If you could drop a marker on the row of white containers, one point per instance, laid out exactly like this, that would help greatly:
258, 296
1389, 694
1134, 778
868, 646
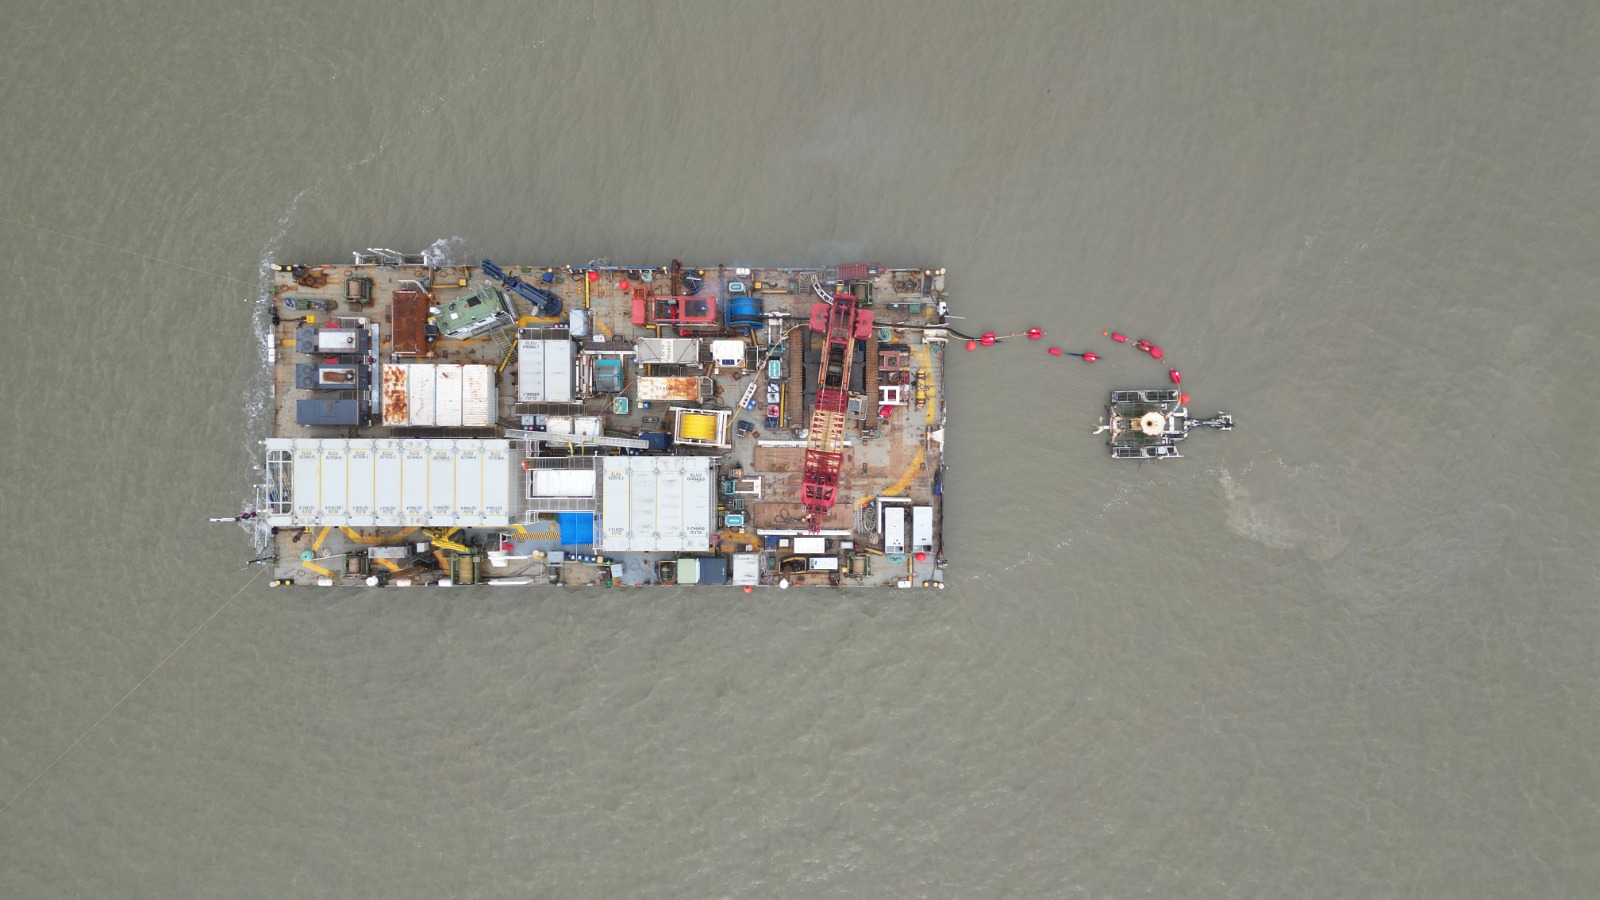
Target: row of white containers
393, 482
441, 395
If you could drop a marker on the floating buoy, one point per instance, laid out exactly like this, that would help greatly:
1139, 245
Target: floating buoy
1119, 338
988, 339
1156, 352
1055, 351
1090, 356
1183, 398
1035, 333
623, 284
748, 589
1142, 345
1175, 375
972, 345
922, 557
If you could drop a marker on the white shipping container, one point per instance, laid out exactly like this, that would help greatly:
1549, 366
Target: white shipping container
469, 484
394, 385
480, 401
414, 482
807, 546
447, 396
894, 529
496, 483
544, 371
386, 494
441, 482
335, 484
746, 568
669, 507
921, 528
307, 490
697, 506
616, 505
361, 483
420, 379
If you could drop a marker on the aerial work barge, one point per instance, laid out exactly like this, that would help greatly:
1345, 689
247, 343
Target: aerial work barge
525, 426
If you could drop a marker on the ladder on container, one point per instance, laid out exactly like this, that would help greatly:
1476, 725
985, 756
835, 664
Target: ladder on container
506, 343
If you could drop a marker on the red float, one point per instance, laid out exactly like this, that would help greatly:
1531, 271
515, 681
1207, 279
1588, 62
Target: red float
1156, 352
1035, 333
972, 345
987, 340
623, 284
1090, 356
1142, 345
1119, 338
1175, 375
1054, 351
594, 276
1183, 398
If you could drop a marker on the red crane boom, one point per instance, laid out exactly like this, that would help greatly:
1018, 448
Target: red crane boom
843, 324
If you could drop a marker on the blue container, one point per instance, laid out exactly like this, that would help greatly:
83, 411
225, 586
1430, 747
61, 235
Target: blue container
745, 312
577, 529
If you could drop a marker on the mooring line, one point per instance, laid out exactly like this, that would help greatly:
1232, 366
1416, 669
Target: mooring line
127, 251
146, 677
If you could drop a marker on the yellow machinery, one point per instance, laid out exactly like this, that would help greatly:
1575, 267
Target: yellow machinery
441, 539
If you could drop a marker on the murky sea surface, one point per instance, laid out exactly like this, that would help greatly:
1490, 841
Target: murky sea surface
1346, 651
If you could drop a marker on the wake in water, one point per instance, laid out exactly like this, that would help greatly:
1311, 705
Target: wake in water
450, 251
258, 389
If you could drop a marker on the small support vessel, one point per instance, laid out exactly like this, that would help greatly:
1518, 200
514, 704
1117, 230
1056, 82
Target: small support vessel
1150, 424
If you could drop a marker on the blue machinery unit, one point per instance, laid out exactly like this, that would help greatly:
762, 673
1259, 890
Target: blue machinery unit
545, 304
745, 312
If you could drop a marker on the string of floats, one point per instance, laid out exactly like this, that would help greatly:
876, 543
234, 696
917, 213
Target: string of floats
989, 339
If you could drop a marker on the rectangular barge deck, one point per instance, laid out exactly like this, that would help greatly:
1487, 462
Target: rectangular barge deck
529, 426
